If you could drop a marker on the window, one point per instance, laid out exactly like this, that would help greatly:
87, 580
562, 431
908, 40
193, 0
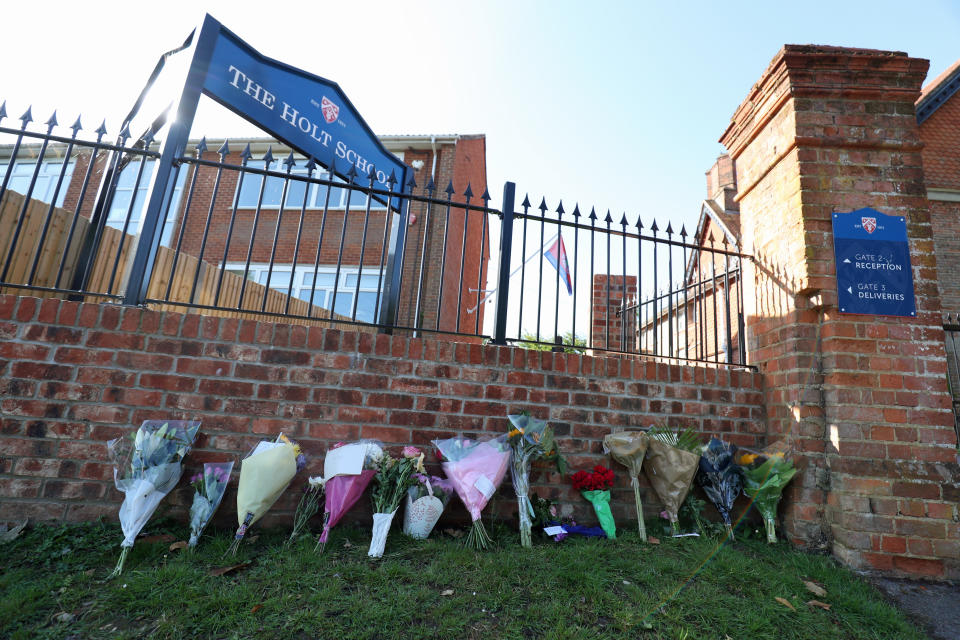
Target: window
303, 286
47, 178
124, 194
315, 194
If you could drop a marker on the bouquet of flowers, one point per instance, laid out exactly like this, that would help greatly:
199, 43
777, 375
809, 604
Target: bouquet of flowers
146, 466
629, 448
671, 465
209, 486
765, 474
476, 469
265, 474
595, 487
394, 477
426, 500
529, 440
347, 470
720, 478
307, 507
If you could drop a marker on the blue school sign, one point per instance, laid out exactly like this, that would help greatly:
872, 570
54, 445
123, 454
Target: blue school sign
306, 111
873, 264
309, 113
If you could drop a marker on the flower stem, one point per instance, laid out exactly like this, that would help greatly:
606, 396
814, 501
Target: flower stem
306, 509
641, 525
238, 537
771, 530
477, 538
322, 538
232, 550
523, 502
119, 568
729, 528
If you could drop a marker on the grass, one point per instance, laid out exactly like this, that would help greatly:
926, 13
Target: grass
51, 586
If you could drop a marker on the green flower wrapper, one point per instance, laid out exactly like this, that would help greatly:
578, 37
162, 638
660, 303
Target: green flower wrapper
763, 483
601, 505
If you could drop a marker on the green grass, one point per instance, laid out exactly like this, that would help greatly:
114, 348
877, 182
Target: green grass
683, 588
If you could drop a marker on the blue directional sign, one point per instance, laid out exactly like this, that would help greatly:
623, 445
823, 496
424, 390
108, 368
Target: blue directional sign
308, 112
873, 264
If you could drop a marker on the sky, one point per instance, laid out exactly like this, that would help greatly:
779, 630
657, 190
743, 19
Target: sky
616, 105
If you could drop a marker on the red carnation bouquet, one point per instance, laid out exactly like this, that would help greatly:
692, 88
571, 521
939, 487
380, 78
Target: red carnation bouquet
595, 487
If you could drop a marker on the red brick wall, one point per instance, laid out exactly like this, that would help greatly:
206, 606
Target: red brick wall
941, 163
74, 375
605, 320
941, 152
945, 222
829, 129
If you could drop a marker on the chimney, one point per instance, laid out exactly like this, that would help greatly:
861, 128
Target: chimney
722, 183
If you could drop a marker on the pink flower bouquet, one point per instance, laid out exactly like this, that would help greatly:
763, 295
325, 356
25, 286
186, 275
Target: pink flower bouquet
475, 469
347, 470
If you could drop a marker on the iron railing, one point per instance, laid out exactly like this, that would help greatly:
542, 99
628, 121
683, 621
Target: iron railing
637, 288
951, 328
247, 232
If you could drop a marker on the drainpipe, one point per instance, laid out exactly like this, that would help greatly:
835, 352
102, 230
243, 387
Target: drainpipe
433, 168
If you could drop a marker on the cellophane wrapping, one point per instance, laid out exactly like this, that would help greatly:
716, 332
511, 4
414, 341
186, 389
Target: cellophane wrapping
670, 471
208, 492
347, 471
146, 468
476, 469
265, 474
629, 449
721, 479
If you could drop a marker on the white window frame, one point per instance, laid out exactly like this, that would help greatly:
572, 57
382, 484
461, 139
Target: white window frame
117, 214
315, 195
303, 280
46, 180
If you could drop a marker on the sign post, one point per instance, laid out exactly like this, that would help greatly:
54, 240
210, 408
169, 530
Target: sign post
872, 255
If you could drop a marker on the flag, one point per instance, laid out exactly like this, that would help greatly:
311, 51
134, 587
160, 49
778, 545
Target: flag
557, 256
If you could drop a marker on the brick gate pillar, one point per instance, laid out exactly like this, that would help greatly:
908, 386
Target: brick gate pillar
862, 398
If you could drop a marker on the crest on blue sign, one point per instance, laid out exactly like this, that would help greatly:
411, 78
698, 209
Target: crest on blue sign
872, 254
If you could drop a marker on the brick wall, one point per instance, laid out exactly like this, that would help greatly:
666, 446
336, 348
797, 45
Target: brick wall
609, 295
941, 163
74, 375
862, 398
945, 221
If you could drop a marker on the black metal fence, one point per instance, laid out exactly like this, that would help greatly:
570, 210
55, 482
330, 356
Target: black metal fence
245, 231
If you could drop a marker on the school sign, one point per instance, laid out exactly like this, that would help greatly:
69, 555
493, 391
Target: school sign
309, 113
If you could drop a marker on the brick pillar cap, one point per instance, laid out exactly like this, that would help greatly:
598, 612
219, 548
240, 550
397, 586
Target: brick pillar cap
823, 71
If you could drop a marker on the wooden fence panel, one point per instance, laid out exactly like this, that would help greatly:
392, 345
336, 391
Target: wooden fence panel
112, 241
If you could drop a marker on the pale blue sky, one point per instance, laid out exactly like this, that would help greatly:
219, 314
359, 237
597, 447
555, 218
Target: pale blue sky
613, 104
